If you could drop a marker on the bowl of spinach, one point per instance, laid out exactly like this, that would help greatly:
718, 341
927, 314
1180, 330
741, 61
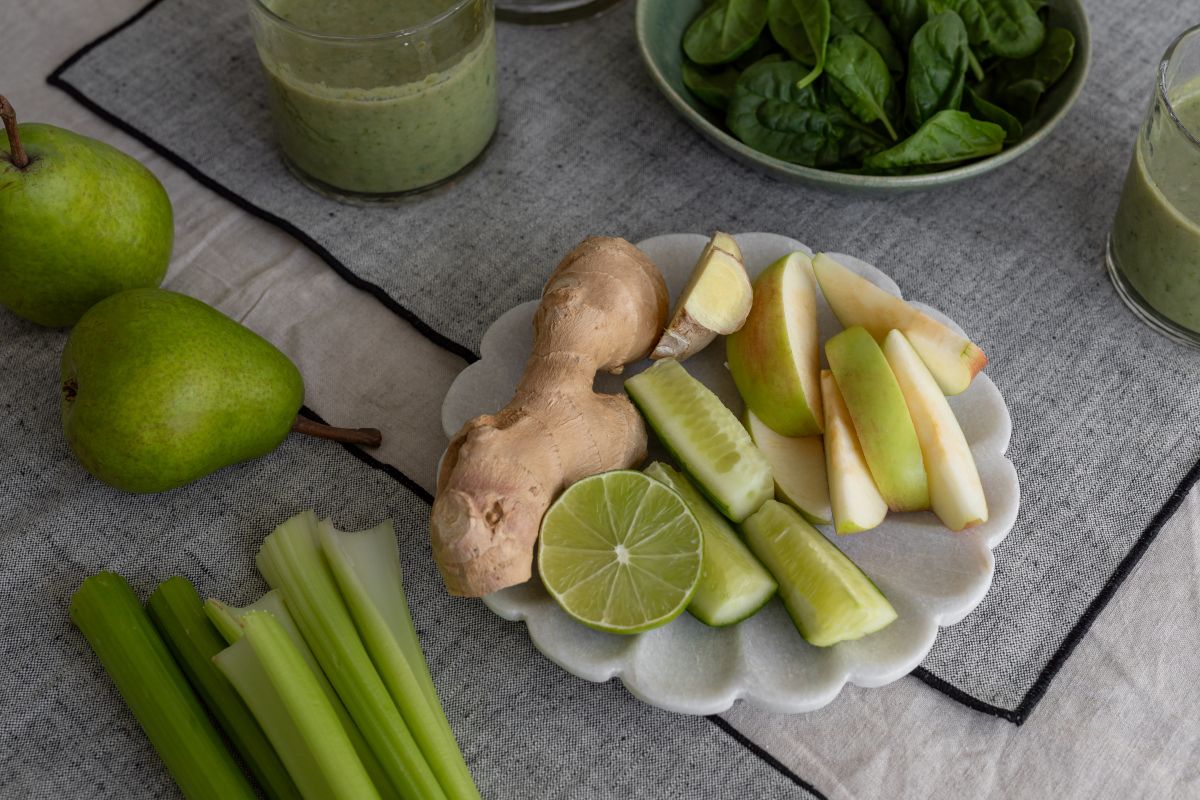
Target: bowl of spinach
869, 96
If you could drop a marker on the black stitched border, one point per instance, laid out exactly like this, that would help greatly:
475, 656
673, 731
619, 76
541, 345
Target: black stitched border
1017, 716
770, 760
56, 80
372, 461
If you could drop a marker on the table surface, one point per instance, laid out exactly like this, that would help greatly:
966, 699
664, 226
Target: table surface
1122, 718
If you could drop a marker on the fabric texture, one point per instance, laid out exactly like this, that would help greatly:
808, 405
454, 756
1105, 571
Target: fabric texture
587, 146
527, 729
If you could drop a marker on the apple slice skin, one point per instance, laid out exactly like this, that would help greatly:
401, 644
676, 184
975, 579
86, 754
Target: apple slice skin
955, 491
693, 326
798, 465
776, 371
881, 418
855, 500
953, 359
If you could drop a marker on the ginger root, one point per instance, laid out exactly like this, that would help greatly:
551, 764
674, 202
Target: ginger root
716, 300
603, 307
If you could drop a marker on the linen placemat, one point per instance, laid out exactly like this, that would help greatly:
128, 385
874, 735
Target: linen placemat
1105, 412
526, 727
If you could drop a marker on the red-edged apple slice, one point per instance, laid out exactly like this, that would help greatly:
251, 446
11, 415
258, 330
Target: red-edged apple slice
716, 300
775, 358
953, 359
854, 499
798, 464
954, 488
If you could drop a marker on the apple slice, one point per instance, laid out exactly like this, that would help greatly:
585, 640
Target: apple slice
798, 464
954, 488
775, 358
855, 501
881, 419
953, 359
716, 300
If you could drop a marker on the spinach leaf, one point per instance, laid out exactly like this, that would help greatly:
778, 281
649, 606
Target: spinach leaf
1022, 97
904, 17
946, 138
975, 22
1016, 29
937, 67
1051, 61
802, 29
859, 76
764, 46
772, 113
713, 87
973, 17
787, 28
990, 112
857, 16
725, 30
1020, 84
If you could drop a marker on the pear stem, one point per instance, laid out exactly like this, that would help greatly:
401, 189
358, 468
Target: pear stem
17, 154
365, 437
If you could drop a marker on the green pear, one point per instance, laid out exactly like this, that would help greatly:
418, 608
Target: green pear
775, 357
160, 389
81, 221
881, 419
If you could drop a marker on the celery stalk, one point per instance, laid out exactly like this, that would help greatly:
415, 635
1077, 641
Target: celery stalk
291, 561
178, 613
366, 566
271, 676
228, 621
116, 626
223, 620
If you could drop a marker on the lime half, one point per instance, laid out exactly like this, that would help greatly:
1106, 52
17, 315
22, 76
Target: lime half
620, 552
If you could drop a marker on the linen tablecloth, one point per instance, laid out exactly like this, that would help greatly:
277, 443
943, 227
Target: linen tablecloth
1120, 720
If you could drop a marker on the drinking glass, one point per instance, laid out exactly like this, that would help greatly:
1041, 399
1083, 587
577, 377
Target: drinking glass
1153, 253
376, 99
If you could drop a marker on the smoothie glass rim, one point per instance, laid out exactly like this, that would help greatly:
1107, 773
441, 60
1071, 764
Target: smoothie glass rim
1193, 137
432, 22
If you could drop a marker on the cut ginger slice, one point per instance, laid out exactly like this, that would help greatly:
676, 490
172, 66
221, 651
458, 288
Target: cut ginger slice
715, 301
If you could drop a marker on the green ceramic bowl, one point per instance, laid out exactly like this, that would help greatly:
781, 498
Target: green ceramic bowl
660, 27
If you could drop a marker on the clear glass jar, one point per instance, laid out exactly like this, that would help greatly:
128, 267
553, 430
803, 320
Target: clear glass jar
1153, 250
374, 99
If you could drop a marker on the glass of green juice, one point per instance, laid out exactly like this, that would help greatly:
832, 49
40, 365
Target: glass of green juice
1153, 251
372, 100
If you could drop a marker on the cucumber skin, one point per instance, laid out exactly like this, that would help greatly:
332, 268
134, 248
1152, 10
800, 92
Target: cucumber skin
667, 476
785, 590
717, 502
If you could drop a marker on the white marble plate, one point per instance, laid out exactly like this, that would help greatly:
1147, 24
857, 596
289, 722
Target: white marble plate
932, 576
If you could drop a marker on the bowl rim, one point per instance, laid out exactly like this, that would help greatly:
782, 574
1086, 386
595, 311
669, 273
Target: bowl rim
843, 180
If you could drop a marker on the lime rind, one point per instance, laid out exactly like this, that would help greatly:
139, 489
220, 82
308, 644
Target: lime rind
620, 552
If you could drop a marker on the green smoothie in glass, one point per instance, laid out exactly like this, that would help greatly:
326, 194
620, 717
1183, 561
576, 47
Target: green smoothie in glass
372, 99
1154, 245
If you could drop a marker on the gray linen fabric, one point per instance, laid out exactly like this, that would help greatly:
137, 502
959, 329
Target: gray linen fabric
1106, 414
527, 728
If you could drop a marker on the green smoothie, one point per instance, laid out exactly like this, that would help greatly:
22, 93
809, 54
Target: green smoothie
1155, 237
381, 116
